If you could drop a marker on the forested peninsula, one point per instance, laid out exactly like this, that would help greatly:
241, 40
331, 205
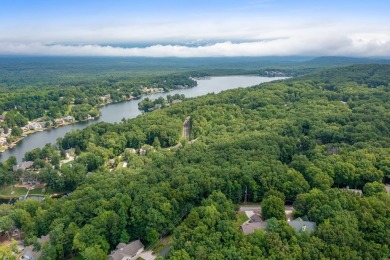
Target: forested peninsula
319, 143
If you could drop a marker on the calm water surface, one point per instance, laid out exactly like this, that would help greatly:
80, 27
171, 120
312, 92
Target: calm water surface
129, 109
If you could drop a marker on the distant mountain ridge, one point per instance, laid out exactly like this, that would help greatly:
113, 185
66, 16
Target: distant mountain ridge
340, 60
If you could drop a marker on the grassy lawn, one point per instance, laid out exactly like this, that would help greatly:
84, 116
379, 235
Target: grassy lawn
11, 191
162, 244
36, 192
241, 218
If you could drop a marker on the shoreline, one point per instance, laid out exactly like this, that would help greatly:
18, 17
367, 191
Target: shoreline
25, 134
30, 132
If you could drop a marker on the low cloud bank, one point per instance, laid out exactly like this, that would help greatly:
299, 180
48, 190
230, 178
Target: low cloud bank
357, 45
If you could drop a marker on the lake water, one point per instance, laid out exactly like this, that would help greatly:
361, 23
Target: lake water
129, 109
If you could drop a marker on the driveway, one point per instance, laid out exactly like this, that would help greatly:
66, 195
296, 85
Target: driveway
250, 207
147, 255
258, 207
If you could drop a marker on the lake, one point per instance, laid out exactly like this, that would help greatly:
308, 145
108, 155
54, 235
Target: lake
129, 109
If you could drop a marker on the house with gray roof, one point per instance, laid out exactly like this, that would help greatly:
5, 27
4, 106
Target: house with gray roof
29, 253
301, 225
68, 118
127, 251
23, 166
254, 222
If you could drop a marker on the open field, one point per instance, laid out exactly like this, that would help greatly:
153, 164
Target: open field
12, 192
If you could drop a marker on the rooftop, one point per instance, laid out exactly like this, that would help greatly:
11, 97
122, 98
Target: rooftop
301, 225
126, 250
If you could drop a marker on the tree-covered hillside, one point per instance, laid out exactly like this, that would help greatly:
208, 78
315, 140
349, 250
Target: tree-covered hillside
306, 141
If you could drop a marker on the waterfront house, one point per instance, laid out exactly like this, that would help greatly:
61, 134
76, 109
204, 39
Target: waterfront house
3, 141
105, 98
23, 166
68, 119
34, 126
59, 121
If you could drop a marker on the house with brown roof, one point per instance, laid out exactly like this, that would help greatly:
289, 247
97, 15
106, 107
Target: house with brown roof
127, 251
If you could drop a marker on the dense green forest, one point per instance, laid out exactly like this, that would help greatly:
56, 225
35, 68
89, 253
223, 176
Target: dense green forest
48, 88
301, 141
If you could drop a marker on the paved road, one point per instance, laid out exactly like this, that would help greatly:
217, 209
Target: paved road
187, 128
258, 207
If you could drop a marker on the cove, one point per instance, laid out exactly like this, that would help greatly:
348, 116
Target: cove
129, 109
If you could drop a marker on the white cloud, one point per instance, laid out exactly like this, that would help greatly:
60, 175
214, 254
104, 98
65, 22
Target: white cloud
236, 36
235, 28
375, 44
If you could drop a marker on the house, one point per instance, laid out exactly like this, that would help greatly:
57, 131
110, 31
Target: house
68, 118
29, 253
142, 151
111, 161
70, 151
30, 181
59, 121
46, 123
3, 141
332, 150
131, 150
387, 187
301, 225
127, 251
23, 166
15, 232
356, 191
34, 126
254, 222
105, 97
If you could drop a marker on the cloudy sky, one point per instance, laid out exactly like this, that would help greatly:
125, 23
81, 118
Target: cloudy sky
195, 28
